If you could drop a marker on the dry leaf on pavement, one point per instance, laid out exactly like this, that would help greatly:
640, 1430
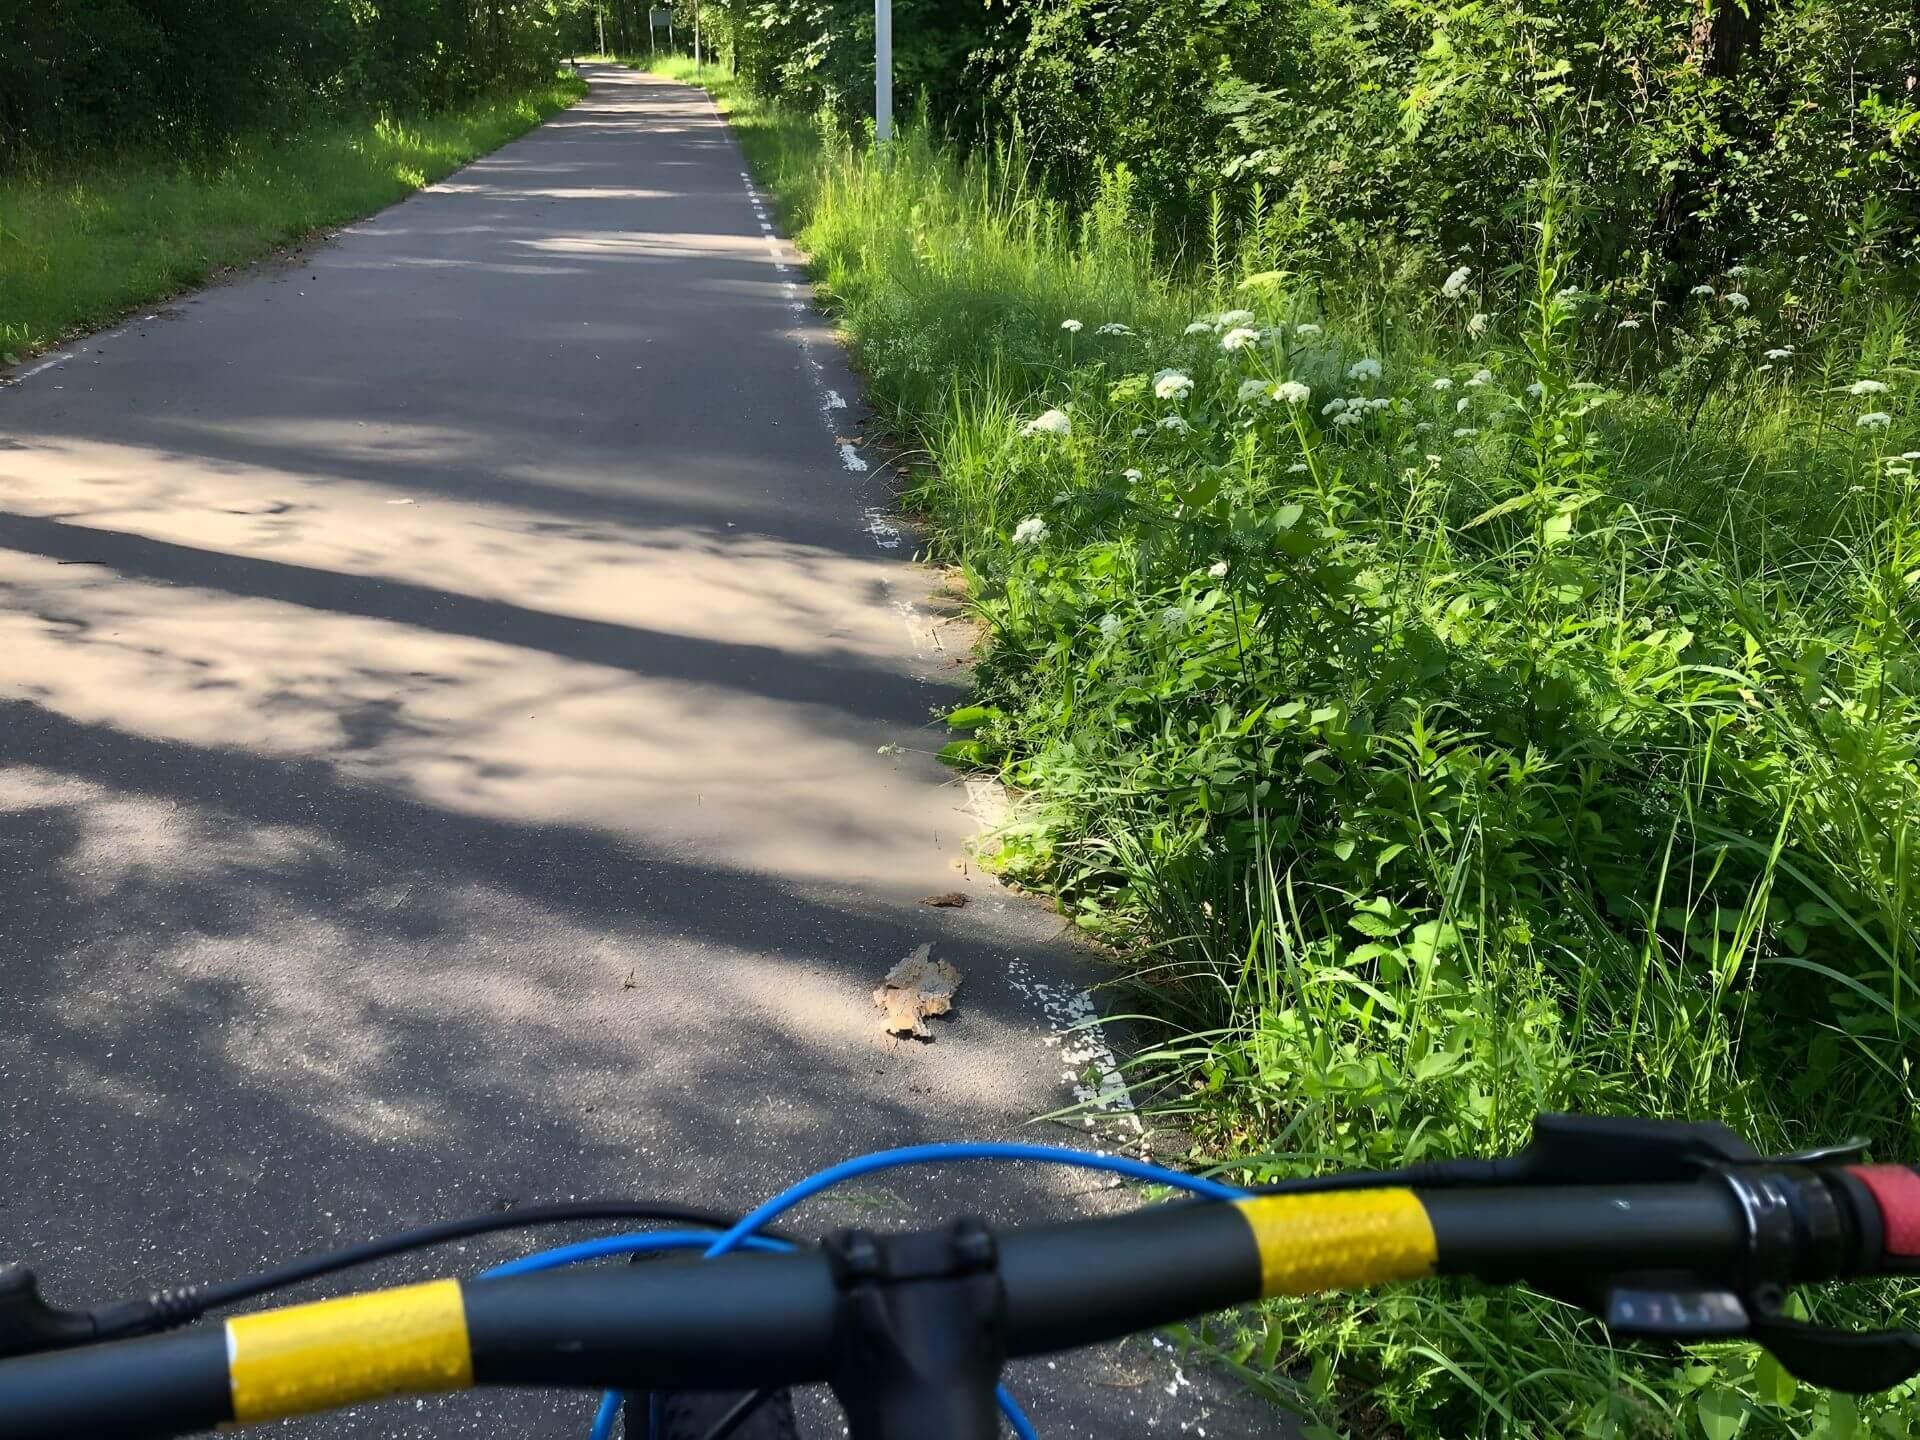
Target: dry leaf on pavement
917, 987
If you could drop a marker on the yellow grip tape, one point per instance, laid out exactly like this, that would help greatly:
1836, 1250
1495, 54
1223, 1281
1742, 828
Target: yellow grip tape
1341, 1240
338, 1352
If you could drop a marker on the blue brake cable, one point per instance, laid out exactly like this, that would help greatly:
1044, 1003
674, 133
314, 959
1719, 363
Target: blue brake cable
742, 1235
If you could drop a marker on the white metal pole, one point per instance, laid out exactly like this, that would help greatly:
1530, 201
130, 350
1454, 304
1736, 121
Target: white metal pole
696, 38
883, 70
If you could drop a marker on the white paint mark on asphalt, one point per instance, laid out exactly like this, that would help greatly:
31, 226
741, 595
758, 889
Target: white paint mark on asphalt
883, 531
46, 364
1092, 1069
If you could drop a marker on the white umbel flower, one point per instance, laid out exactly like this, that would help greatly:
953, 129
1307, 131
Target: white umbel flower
1348, 417
1132, 477
1455, 283
1443, 383
1867, 387
1465, 432
1874, 420
1054, 422
1175, 423
1368, 369
1308, 331
1477, 326
1702, 292
1736, 301
1113, 327
1072, 327
1171, 384
1782, 352
1234, 317
1218, 570
1628, 324
1479, 378
1251, 390
1030, 531
1199, 327
1292, 392
1239, 338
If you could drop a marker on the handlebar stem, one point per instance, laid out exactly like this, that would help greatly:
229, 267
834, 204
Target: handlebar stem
919, 1332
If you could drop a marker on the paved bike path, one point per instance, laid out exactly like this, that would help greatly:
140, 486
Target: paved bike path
464, 739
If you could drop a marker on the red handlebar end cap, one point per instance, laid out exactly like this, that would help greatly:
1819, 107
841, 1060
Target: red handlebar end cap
1896, 1190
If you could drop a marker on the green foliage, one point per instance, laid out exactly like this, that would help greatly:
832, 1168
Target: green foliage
78, 250
1534, 727
1697, 135
819, 57
172, 76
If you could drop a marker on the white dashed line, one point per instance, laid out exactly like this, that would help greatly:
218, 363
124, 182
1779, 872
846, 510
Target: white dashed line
885, 534
46, 364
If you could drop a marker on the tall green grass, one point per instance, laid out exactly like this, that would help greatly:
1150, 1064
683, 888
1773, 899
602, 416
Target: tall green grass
79, 247
1533, 728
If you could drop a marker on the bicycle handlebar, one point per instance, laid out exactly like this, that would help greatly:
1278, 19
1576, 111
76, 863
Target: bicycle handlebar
1693, 1259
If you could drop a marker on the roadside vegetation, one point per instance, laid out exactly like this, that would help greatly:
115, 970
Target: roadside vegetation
145, 145
83, 245
1467, 666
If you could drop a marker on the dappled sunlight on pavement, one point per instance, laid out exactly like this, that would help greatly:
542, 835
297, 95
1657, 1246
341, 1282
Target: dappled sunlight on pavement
464, 737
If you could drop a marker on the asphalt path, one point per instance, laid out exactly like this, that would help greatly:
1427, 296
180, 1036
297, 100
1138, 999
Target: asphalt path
465, 739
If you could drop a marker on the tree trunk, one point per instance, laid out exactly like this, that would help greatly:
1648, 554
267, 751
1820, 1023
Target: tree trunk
1723, 38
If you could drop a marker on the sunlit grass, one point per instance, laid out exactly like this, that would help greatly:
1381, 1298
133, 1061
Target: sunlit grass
1540, 735
80, 246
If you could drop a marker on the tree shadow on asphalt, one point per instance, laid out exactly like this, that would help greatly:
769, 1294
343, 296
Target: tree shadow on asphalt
229, 975
291, 953
813, 678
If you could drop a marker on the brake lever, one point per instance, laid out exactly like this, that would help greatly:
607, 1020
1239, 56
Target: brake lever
28, 1324
1859, 1362
1838, 1153
1679, 1307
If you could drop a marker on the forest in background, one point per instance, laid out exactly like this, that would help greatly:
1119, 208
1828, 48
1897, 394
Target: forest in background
147, 144
1696, 134
82, 77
